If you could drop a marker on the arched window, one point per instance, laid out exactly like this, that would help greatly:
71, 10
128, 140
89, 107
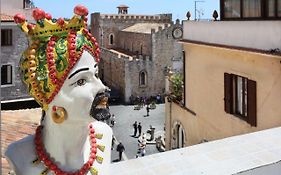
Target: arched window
143, 78
111, 39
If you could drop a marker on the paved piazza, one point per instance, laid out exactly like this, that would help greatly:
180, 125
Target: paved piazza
123, 129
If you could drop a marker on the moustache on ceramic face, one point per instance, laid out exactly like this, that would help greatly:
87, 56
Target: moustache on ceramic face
99, 108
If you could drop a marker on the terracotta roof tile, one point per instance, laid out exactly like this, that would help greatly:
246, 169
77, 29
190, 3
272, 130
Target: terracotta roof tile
144, 27
16, 125
6, 17
122, 6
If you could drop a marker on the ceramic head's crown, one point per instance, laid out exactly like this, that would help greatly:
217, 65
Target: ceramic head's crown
55, 47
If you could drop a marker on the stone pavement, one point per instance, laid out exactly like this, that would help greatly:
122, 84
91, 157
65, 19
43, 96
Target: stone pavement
125, 116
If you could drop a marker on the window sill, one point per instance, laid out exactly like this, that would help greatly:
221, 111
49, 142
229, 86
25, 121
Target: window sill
244, 118
7, 85
142, 86
6, 45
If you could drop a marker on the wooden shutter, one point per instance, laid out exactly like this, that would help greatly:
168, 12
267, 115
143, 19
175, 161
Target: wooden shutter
252, 102
184, 72
227, 93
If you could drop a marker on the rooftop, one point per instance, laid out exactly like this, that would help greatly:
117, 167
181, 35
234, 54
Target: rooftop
6, 18
245, 154
122, 6
16, 125
144, 27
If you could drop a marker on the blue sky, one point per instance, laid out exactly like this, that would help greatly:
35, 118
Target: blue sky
64, 8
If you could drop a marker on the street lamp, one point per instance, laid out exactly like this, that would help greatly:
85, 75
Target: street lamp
195, 2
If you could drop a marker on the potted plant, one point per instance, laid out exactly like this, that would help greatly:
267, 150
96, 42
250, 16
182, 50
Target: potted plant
177, 86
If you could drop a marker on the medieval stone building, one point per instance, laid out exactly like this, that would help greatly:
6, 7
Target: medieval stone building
136, 51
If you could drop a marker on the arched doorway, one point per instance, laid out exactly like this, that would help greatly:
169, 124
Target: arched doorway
178, 136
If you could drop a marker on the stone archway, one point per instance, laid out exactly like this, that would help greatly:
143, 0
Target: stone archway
178, 139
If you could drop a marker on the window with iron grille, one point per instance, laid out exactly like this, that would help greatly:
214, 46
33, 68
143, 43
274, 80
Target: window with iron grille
6, 74
240, 97
6, 37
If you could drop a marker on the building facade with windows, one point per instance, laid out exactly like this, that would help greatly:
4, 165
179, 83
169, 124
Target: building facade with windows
13, 43
136, 51
232, 75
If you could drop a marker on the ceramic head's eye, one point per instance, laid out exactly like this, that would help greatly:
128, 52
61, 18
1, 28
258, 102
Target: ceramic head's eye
81, 82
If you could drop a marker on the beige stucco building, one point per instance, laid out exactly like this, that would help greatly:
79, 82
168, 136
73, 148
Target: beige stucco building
232, 80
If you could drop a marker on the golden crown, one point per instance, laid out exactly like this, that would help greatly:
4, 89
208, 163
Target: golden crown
56, 46
47, 26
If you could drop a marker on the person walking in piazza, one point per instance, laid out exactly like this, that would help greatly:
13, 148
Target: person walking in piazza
113, 142
112, 120
60, 68
120, 148
135, 125
139, 128
142, 144
147, 110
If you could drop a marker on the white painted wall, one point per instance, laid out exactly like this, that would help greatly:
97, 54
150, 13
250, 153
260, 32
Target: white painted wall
271, 169
257, 153
264, 35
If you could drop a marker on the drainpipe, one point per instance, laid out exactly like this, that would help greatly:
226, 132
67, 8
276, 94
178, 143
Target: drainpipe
170, 125
167, 92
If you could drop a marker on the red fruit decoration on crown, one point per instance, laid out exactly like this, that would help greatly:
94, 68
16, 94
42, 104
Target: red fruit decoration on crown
60, 22
31, 26
85, 19
19, 18
48, 16
81, 10
38, 14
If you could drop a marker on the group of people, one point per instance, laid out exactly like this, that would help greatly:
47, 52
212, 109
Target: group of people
146, 100
141, 138
137, 127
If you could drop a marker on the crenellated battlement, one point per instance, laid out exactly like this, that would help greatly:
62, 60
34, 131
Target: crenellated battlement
160, 17
161, 28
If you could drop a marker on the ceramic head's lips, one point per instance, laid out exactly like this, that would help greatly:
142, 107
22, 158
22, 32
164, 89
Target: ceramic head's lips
100, 109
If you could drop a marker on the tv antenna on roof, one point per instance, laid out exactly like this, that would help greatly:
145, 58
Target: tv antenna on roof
195, 10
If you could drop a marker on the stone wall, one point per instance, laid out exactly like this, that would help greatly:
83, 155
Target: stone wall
164, 50
138, 43
133, 87
11, 55
112, 71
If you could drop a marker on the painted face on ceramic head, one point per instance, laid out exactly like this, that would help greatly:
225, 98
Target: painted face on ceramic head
82, 91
